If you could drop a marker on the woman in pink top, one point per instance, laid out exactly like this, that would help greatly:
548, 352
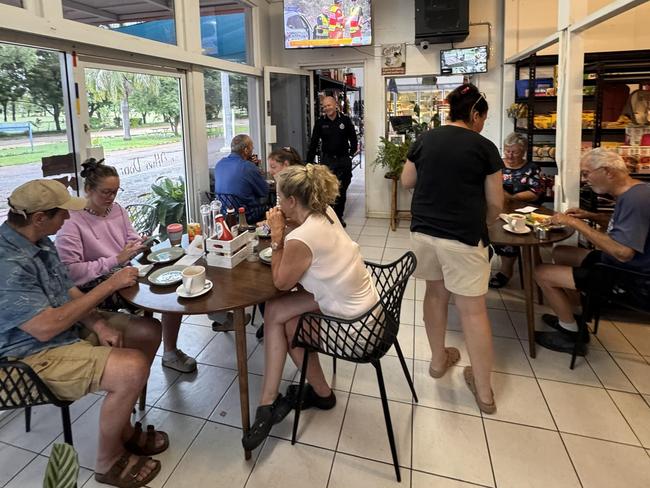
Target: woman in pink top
95, 241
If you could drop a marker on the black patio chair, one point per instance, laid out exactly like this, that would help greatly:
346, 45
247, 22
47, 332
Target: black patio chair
615, 285
364, 339
143, 217
20, 387
254, 213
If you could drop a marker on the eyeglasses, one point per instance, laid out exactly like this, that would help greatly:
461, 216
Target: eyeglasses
109, 193
477, 100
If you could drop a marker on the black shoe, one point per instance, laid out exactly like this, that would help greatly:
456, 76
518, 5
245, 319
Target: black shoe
259, 333
311, 399
266, 416
499, 280
557, 341
553, 322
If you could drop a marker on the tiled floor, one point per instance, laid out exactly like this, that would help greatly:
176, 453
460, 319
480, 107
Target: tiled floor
554, 427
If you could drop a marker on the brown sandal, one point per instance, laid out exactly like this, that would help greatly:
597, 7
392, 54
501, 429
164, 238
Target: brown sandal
149, 448
114, 475
453, 356
483, 407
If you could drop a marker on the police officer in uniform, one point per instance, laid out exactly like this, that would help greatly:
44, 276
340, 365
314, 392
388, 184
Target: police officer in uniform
338, 144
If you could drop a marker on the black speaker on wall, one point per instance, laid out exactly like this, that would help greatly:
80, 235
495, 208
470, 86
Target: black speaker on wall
441, 21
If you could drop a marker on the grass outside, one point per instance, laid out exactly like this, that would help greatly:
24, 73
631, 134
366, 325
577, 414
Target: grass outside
24, 155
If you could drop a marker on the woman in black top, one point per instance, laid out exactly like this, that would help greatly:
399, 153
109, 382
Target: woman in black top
456, 174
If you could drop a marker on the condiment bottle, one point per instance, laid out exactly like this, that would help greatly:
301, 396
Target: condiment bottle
221, 229
243, 225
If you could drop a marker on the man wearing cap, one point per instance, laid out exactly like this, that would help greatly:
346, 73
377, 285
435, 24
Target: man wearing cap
47, 323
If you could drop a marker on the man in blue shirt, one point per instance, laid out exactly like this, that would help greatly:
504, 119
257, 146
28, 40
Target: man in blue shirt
237, 175
625, 244
47, 323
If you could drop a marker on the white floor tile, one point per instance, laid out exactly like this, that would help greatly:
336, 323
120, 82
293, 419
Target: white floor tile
553, 365
405, 338
33, 474
373, 231
397, 388
586, 411
215, 459
197, 394
364, 431
349, 471
203, 320
510, 357
526, 456
425, 480
637, 412
160, 379
221, 350
520, 400
409, 292
602, 464
399, 242
85, 434
372, 253
451, 444
637, 370
612, 339
391, 254
447, 393
345, 371
638, 334
281, 465
608, 371
256, 364
407, 315
182, 429
372, 241
13, 461
45, 427
192, 339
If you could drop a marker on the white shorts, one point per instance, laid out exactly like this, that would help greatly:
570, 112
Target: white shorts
464, 269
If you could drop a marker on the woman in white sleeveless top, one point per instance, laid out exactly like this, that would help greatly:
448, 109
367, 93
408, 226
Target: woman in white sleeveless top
320, 256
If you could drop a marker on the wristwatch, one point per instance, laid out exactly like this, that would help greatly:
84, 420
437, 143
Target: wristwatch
276, 245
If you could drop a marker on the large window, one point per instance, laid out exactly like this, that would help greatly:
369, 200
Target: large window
224, 32
227, 103
142, 18
33, 120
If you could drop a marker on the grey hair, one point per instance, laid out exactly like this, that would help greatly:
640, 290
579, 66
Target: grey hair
516, 138
239, 143
604, 158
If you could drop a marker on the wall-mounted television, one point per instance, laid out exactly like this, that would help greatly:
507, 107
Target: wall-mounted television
327, 23
465, 60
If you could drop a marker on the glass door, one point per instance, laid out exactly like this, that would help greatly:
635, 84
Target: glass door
288, 107
135, 122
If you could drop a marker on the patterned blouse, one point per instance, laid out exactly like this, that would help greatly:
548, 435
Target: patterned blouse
526, 178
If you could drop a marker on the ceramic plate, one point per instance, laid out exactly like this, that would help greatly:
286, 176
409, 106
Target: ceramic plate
510, 229
169, 275
180, 291
166, 255
265, 255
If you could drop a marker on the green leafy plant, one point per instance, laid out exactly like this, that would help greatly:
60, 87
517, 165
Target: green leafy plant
62, 468
391, 156
168, 197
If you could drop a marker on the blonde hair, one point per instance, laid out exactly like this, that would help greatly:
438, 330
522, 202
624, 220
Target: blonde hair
604, 158
518, 139
313, 185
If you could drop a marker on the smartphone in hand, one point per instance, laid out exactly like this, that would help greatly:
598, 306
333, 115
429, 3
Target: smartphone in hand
150, 241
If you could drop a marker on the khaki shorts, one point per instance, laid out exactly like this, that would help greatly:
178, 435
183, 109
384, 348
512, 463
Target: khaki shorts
74, 370
464, 269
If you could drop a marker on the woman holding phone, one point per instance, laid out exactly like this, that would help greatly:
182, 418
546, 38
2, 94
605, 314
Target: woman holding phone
95, 241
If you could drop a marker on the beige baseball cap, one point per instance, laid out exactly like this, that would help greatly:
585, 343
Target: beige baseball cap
40, 195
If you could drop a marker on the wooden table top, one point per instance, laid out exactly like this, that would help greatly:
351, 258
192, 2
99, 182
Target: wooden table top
249, 283
501, 237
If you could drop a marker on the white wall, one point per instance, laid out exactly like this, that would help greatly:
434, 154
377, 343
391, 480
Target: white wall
393, 22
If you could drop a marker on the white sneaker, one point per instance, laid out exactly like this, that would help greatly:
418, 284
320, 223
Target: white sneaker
182, 363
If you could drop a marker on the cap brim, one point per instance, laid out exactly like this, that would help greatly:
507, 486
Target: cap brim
75, 203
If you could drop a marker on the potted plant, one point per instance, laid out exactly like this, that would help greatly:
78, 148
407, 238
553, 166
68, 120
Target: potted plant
391, 155
168, 198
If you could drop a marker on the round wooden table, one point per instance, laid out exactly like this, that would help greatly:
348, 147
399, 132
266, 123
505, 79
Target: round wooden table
249, 283
527, 243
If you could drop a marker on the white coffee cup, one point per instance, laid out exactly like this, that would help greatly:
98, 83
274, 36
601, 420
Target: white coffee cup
517, 222
193, 279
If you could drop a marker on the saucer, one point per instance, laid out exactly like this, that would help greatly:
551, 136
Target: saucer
510, 229
180, 291
167, 276
166, 255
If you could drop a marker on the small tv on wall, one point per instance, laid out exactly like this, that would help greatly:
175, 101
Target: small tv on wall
464, 61
327, 23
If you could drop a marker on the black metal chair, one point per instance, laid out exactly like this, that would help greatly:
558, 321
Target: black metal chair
254, 213
364, 339
617, 286
143, 217
20, 387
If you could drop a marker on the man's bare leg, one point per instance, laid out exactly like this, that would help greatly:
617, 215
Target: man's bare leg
556, 281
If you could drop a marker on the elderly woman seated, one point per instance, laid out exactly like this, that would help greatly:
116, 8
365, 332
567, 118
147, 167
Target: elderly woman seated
522, 182
320, 256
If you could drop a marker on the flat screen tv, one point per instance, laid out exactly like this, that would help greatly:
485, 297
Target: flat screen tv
463, 61
327, 23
